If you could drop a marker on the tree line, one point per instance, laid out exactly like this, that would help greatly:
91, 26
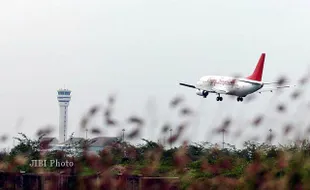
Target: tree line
256, 165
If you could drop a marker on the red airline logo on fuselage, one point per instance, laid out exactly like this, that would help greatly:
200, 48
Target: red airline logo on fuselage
221, 81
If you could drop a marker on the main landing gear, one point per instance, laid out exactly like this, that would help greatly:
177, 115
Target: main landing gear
239, 99
219, 98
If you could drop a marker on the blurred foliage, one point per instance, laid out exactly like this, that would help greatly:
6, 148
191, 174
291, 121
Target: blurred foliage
197, 165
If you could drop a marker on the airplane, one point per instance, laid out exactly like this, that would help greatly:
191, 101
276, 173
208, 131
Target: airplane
235, 86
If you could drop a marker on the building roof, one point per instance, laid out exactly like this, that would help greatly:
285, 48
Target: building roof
103, 141
49, 140
97, 141
74, 140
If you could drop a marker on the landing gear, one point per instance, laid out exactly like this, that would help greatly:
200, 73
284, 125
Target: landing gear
239, 99
219, 98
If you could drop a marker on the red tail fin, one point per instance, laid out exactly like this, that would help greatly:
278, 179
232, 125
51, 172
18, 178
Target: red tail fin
258, 72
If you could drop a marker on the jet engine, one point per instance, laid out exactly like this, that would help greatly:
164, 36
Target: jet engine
202, 93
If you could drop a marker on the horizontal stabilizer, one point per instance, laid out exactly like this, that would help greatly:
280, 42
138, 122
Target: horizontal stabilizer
267, 83
275, 88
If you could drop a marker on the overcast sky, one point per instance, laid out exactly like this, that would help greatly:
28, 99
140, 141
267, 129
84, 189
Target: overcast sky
141, 50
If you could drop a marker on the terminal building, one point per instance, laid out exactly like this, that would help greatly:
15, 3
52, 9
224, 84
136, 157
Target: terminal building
94, 145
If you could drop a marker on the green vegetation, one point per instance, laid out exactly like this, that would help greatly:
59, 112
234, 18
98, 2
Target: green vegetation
197, 165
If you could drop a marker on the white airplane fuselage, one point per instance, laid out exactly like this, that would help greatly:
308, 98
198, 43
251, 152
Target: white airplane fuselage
240, 87
234, 86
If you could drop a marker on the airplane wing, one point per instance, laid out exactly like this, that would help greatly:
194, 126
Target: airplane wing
271, 89
187, 85
217, 90
220, 90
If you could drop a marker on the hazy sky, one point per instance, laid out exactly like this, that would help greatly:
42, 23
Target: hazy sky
140, 50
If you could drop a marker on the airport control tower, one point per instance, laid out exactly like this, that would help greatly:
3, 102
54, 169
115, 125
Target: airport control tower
64, 97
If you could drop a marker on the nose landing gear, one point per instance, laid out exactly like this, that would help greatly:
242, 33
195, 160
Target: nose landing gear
239, 99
